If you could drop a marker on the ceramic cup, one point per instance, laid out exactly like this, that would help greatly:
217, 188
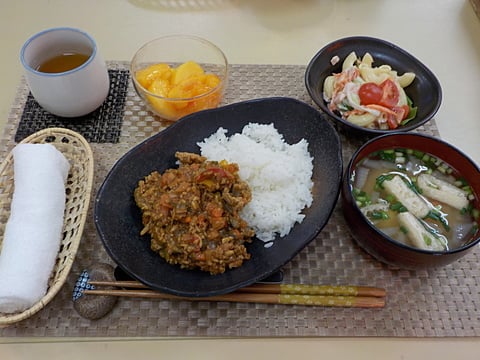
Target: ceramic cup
71, 93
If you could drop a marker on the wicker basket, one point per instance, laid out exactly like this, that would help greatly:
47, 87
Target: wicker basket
78, 191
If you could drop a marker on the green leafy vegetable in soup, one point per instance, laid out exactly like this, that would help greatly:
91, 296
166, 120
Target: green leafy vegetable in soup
416, 199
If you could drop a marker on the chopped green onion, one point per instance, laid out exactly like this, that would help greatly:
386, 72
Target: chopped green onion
442, 169
380, 179
476, 214
474, 227
390, 198
398, 207
379, 215
388, 155
437, 215
361, 197
427, 239
418, 154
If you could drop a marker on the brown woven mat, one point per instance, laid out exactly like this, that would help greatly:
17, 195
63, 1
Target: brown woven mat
442, 302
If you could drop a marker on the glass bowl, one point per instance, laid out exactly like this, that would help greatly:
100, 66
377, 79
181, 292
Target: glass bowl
170, 92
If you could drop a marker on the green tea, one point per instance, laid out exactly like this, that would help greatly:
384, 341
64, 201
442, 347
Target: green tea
63, 62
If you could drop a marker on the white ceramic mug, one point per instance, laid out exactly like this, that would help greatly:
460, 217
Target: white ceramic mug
71, 93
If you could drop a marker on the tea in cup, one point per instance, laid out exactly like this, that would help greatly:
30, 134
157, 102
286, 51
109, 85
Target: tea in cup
65, 72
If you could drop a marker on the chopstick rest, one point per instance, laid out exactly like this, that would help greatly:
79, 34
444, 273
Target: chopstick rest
34, 229
94, 307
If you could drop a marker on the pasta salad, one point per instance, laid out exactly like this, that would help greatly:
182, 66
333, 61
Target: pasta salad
369, 96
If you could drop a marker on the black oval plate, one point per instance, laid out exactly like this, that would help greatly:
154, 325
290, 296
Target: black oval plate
118, 220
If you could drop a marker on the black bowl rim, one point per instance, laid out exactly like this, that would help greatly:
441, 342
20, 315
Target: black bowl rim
389, 45
347, 175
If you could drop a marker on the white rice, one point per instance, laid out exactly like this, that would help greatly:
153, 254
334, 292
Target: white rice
279, 175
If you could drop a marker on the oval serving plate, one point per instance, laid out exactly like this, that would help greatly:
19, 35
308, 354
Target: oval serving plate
78, 192
118, 220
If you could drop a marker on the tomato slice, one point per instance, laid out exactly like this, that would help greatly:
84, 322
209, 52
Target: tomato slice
370, 93
386, 94
392, 121
400, 113
390, 94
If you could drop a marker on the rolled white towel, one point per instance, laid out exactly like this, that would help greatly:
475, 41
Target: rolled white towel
34, 229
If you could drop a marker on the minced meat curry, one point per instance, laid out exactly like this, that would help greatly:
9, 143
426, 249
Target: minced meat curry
192, 214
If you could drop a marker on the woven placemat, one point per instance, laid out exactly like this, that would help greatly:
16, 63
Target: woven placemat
102, 125
434, 303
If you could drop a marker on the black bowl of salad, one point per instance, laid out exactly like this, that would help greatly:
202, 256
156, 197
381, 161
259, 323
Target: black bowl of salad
372, 87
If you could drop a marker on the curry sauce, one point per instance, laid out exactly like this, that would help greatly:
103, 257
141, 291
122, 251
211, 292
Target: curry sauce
192, 214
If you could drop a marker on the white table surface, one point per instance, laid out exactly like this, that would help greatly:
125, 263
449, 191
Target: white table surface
444, 34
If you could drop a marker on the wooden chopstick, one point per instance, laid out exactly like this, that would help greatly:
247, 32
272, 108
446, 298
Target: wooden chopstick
292, 289
313, 295
301, 289
131, 284
311, 300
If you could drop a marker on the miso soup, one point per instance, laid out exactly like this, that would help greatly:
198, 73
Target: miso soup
416, 199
